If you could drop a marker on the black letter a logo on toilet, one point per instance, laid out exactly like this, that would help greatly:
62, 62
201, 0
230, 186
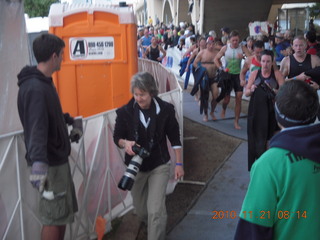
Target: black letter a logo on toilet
78, 49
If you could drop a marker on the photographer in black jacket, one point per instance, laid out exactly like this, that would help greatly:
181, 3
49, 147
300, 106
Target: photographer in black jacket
147, 121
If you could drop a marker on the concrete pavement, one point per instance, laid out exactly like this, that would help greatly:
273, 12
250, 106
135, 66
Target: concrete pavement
215, 214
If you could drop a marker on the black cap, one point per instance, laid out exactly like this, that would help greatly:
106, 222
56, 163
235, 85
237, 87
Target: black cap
123, 4
226, 29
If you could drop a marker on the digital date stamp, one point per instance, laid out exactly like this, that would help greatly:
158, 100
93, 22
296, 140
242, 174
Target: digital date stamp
285, 214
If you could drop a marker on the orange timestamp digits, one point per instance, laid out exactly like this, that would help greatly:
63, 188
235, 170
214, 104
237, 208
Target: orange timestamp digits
224, 214
261, 215
280, 214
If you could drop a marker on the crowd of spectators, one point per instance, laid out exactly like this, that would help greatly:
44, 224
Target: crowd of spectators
154, 41
184, 37
255, 65
181, 36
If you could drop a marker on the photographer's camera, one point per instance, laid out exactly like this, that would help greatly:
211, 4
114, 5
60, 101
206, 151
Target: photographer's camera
133, 168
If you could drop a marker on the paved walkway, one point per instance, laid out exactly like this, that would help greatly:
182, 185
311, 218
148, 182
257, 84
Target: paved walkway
224, 193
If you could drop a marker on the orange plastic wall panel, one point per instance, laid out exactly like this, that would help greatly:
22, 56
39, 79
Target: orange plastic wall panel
66, 84
95, 83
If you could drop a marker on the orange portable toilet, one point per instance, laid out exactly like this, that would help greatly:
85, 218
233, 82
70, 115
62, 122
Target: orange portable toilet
99, 58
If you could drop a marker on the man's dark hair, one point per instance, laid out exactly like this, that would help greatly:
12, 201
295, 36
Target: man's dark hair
297, 103
45, 45
226, 30
193, 38
268, 53
234, 33
311, 36
201, 38
218, 41
258, 44
265, 38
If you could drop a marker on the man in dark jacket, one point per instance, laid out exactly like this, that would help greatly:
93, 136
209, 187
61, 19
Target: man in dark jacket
46, 137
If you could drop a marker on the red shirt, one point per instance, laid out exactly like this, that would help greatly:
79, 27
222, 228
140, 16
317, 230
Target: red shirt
312, 49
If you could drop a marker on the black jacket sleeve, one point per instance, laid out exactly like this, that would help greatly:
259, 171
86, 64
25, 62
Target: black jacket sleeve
250, 231
172, 127
69, 120
35, 122
120, 131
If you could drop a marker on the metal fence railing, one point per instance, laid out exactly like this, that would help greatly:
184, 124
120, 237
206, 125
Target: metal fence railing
96, 164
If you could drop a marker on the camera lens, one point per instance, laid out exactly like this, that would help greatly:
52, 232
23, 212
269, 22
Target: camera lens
125, 183
133, 168
130, 174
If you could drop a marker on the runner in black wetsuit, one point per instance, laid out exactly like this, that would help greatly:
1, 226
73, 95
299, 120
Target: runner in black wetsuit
294, 67
299, 67
193, 52
262, 124
153, 51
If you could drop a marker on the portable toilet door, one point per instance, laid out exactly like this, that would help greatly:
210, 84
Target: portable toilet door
99, 59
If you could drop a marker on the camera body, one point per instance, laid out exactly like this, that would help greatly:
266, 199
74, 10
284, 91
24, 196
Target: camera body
77, 129
133, 168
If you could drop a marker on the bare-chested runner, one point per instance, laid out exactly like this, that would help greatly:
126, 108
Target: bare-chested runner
206, 57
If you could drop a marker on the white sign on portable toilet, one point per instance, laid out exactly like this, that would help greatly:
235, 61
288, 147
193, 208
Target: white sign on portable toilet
91, 48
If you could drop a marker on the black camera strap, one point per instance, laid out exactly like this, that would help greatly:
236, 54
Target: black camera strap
136, 119
151, 129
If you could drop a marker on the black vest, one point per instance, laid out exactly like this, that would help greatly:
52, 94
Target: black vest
154, 53
296, 67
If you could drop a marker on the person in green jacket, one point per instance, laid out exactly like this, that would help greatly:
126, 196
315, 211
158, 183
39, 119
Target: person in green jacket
282, 201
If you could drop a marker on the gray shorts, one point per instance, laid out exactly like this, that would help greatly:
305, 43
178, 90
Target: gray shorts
60, 210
